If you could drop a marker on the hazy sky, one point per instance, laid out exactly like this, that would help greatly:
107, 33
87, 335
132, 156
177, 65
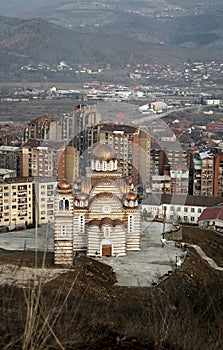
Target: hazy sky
17, 7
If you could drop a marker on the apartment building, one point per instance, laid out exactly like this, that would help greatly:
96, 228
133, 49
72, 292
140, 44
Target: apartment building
174, 180
132, 146
72, 126
44, 189
38, 128
207, 174
10, 158
43, 158
16, 202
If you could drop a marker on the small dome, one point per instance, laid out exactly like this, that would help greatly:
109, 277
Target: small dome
107, 221
95, 222
64, 185
103, 152
118, 222
82, 196
131, 196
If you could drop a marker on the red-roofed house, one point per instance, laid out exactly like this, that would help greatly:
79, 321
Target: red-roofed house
212, 218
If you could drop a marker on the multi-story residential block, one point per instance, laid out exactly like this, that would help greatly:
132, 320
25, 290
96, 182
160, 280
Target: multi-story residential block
44, 189
72, 126
208, 174
10, 158
179, 180
38, 128
43, 158
132, 146
171, 154
51, 159
161, 183
174, 180
218, 175
16, 202
196, 176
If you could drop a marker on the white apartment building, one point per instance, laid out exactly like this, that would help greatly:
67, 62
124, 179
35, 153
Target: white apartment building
16, 203
44, 199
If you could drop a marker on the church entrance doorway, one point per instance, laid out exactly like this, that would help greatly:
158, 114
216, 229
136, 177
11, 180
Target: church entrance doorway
106, 247
107, 250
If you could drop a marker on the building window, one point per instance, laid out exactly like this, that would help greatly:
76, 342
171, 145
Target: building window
106, 232
130, 223
192, 218
178, 208
185, 218
64, 204
104, 165
192, 210
199, 210
81, 224
185, 210
63, 230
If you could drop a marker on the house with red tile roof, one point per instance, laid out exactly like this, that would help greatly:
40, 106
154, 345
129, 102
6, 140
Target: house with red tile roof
212, 218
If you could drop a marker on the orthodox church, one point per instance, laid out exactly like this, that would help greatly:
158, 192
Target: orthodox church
98, 215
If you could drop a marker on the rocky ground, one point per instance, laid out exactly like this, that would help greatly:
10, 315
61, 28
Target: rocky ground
83, 308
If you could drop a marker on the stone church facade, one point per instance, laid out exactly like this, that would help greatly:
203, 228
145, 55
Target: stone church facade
98, 215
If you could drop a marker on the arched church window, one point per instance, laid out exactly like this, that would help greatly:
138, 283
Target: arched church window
106, 232
61, 204
111, 165
97, 165
66, 204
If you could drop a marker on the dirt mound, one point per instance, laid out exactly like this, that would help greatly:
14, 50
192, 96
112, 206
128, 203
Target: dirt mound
82, 308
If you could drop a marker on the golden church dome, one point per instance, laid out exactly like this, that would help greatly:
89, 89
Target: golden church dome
103, 152
64, 185
81, 196
131, 196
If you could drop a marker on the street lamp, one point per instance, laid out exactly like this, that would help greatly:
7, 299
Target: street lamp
164, 217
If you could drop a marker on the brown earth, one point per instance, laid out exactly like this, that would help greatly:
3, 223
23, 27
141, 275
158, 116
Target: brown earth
82, 308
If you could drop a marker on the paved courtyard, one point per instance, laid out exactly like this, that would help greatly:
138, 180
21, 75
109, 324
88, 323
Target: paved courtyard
143, 268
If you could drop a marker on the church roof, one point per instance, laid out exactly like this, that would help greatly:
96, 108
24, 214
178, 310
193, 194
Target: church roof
106, 221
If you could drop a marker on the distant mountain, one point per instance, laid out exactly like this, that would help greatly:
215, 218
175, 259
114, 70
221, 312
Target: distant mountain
111, 32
